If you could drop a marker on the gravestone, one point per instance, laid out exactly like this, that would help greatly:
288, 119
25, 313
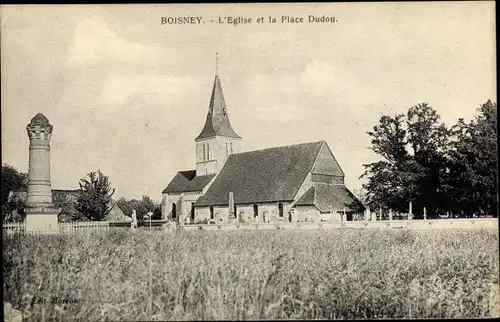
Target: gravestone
133, 224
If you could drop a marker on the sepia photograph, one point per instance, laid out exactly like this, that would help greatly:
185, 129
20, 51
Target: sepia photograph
249, 161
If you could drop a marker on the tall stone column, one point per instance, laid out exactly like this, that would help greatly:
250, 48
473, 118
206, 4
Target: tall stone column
41, 215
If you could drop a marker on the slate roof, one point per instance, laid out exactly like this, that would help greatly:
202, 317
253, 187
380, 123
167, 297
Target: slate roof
330, 197
269, 175
217, 122
185, 181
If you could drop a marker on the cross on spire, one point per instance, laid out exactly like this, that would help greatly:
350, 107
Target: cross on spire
217, 63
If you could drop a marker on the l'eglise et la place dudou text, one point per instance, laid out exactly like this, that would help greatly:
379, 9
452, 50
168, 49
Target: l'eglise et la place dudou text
248, 20
283, 19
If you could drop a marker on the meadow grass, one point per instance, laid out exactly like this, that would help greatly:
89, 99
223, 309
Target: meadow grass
219, 275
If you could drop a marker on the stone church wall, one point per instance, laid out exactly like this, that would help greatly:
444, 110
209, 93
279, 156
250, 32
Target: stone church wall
167, 205
266, 210
183, 203
244, 213
307, 214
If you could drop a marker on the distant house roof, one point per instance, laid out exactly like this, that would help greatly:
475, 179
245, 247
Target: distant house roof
274, 174
116, 213
187, 181
330, 197
217, 122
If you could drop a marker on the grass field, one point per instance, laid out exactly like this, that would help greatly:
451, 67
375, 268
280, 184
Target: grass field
336, 274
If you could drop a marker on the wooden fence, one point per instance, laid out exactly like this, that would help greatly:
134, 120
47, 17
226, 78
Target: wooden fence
12, 228
98, 227
87, 227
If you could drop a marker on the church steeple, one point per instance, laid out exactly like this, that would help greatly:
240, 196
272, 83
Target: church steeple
217, 123
217, 139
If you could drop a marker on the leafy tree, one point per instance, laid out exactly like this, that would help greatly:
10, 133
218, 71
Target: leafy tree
14, 208
429, 140
94, 196
389, 139
472, 176
413, 151
125, 206
157, 212
385, 187
360, 194
12, 181
142, 207
67, 204
435, 167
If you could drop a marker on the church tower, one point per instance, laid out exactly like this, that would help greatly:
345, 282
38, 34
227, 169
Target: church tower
217, 140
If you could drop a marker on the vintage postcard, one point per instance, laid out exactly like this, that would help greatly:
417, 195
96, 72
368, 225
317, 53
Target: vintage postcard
249, 161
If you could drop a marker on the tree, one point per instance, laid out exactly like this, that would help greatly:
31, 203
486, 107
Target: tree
360, 194
472, 178
429, 140
142, 207
157, 212
435, 167
126, 206
386, 178
68, 207
12, 181
94, 196
413, 150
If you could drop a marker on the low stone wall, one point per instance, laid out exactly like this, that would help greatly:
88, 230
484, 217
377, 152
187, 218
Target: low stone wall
479, 223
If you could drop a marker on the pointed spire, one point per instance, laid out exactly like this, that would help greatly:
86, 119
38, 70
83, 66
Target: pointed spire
217, 123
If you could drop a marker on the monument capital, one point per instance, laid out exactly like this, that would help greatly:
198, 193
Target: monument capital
39, 128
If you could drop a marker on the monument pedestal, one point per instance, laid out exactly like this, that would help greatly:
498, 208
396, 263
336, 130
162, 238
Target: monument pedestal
42, 218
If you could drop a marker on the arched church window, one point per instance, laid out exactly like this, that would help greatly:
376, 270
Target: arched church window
227, 150
204, 153
231, 147
174, 211
208, 151
211, 212
280, 209
255, 211
192, 212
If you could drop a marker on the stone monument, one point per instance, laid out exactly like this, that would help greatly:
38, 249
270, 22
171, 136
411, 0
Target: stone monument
41, 215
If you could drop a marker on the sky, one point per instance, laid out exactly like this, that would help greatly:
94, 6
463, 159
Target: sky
128, 95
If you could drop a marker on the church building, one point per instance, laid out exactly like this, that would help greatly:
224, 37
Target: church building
301, 182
